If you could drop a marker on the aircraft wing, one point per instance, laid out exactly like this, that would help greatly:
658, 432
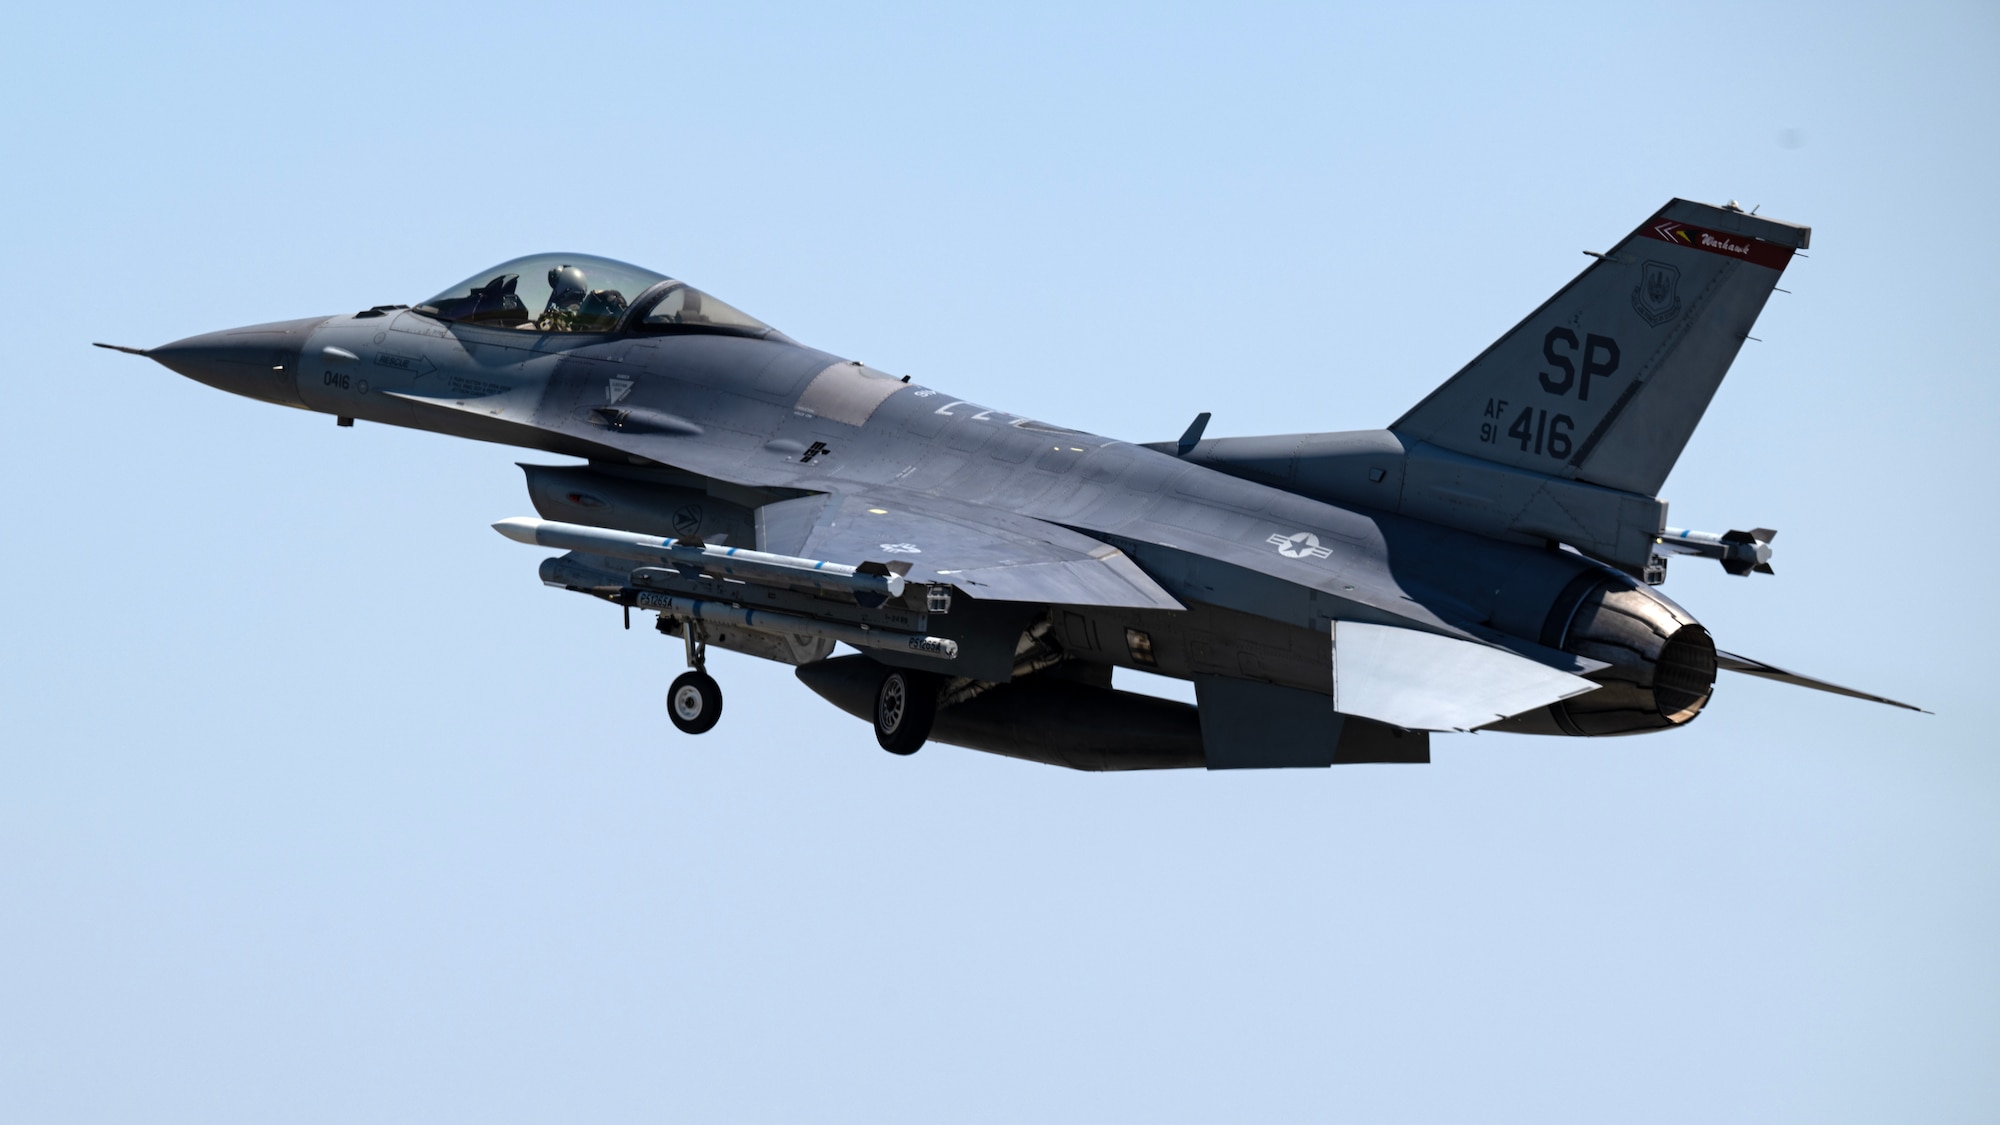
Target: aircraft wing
1749, 667
986, 552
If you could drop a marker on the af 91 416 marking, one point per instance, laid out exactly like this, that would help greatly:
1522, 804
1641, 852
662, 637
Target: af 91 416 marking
1535, 430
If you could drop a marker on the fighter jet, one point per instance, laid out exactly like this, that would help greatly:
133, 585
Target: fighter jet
1491, 561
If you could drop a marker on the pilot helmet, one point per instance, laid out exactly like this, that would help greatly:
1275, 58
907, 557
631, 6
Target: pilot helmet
568, 285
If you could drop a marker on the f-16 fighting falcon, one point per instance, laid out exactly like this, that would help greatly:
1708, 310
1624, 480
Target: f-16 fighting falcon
1491, 561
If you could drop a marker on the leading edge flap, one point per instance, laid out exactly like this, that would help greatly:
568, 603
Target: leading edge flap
1424, 681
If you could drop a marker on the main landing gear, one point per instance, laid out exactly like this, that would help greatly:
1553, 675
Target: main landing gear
905, 706
694, 702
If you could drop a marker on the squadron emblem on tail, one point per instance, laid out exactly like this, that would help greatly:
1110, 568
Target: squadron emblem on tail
1657, 297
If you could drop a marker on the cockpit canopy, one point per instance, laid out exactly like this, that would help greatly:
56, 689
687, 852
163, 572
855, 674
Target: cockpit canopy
584, 293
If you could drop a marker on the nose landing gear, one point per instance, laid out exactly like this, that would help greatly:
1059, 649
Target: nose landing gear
694, 702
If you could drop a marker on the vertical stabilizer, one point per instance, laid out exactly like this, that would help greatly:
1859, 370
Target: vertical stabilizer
1605, 382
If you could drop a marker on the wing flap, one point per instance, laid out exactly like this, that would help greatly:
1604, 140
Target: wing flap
990, 554
1749, 667
1113, 580
1424, 681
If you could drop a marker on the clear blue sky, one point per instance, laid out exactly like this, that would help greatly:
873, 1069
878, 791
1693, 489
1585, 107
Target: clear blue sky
316, 807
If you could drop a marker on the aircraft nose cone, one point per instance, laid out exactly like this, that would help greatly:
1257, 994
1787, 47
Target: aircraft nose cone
260, 362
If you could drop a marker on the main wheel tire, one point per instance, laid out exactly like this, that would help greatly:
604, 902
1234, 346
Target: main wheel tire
905, 707
694, 703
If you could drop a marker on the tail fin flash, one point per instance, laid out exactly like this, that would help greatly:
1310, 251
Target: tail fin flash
1605, 382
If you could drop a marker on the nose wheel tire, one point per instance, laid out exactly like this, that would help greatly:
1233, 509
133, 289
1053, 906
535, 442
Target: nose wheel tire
694, 702
905, 706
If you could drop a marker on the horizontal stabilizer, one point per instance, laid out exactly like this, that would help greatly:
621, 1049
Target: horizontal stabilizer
1749, 667
1423, 681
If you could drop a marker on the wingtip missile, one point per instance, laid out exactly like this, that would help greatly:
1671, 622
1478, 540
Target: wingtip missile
1739, 552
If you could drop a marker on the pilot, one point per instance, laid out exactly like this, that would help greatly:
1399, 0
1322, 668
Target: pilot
573, 307
567, 289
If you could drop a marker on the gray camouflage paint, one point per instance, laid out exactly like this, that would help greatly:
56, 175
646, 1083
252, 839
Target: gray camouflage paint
1230, 562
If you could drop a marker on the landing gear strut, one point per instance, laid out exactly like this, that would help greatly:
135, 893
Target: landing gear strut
905, 706
694, 702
